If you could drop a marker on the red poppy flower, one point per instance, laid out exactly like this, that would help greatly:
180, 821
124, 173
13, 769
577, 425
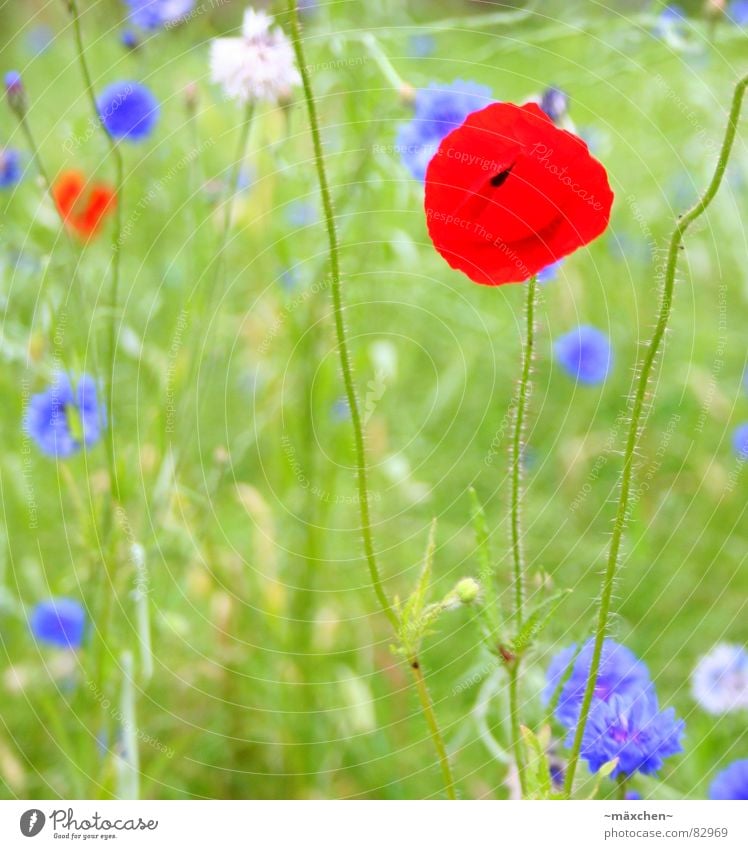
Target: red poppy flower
508, 193
82, 207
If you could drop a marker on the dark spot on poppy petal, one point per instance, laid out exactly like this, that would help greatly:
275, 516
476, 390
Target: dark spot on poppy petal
500, 178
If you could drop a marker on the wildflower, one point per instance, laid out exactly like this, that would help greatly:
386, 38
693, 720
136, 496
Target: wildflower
16, 93
438, 109
61, 420
82, 207
508, 193
421, 44
39, 39
300, 213
731, 783
719, 682
738, 12
59, 622
585, 353
258, 65
555, 103
129, 39
620, 673
740, 441
633, 729
341, 410
10, 167
633, 796
155, 14
128, 110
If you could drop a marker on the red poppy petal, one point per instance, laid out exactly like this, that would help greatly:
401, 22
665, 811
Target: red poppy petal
508, 193
82, 212
101, 201
66, 191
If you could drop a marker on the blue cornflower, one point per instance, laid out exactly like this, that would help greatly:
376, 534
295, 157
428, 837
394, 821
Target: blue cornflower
10, 167
731, 783
550, 272
555, 103
626, 248
585, 353
340, 410
299, 213
737, 11
15, 92
59, 622
671, 23
740, 441
633, 729
633, 796
129, 39
421, 45
438, 109
128, 110
61, 420
719, 683
620, 673
39, 39
288, 279
154, 14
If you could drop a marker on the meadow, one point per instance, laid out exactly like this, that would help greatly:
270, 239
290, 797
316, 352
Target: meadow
233, 645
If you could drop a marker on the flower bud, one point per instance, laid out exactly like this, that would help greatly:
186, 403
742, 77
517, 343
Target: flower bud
467, 590
407, 94
190, 98
129, 39
555, 103
16, 93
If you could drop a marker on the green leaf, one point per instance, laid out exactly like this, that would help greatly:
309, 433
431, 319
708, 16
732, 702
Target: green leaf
533, 626
415, 614
490, 610
538, 784
605, 770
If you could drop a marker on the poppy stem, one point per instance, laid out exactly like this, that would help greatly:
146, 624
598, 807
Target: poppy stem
518, 558
523, 394
350, 391
337, 302
74, 287
116, 246
637, 420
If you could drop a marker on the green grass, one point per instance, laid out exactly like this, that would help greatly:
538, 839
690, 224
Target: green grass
273, 670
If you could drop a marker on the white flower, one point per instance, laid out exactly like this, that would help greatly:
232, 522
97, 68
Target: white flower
259, 65
719, 683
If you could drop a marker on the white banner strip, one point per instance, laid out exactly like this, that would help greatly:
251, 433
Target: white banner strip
379, 825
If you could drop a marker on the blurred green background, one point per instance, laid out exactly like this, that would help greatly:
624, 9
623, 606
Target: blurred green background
273, 670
